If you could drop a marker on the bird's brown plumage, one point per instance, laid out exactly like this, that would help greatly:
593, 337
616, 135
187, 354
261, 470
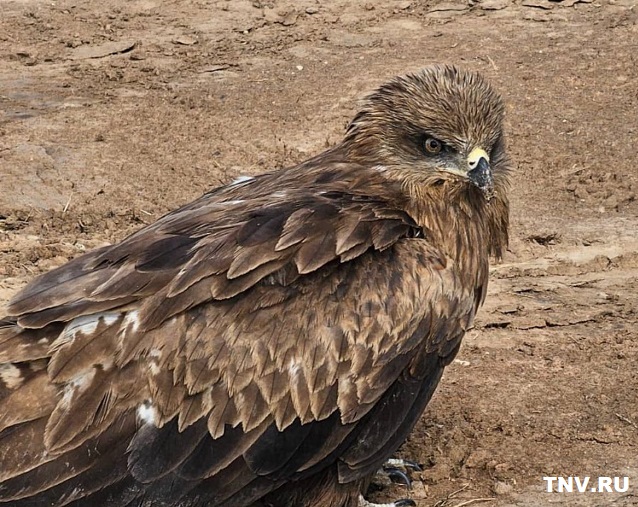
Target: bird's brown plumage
271, 343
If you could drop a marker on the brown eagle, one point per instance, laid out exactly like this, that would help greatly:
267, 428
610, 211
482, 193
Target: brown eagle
273, 342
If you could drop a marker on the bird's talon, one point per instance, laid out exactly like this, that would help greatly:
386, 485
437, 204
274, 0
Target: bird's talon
403, 502
398, 477
413, 465
403, 463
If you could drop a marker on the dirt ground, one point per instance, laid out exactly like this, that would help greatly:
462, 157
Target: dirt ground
114, 112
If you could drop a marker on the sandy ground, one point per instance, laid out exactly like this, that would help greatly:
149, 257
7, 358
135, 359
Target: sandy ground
113, 112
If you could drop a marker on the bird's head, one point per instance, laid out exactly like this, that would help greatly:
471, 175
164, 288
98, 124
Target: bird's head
442, 125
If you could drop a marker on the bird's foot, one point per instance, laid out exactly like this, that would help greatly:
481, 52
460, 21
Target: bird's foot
403, 502
393, 471
397, 470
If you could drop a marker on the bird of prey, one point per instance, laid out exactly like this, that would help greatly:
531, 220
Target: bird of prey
273, 342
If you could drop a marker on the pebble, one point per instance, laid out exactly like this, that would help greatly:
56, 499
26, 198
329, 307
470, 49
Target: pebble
503, 488
494, 5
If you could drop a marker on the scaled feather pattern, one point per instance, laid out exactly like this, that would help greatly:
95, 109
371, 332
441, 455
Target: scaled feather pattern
273, 342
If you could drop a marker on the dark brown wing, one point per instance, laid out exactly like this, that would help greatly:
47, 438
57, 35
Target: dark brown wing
229, 347
229, 240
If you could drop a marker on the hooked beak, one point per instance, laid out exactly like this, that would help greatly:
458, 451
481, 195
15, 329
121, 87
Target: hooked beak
479, 172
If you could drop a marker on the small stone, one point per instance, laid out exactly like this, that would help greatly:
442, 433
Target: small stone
136, 57
508, 309
290, 19
502, 488
311, 10
581, 193
299, 67
611, 202
494, 5
477, 459
185, 40
419, 490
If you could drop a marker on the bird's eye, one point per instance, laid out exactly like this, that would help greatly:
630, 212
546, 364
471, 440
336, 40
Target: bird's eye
432, 146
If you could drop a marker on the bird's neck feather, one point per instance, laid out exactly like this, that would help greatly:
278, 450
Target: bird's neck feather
468, 228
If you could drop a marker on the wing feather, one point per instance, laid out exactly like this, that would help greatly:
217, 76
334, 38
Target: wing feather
35, 399
108, 444
22, 448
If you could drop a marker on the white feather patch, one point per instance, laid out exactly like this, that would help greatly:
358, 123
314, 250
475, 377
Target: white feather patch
147, 413
77, 384
87, 324
154, 368
11, 376
241, 179
83, 380
294, 368
132, 321
153, 364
